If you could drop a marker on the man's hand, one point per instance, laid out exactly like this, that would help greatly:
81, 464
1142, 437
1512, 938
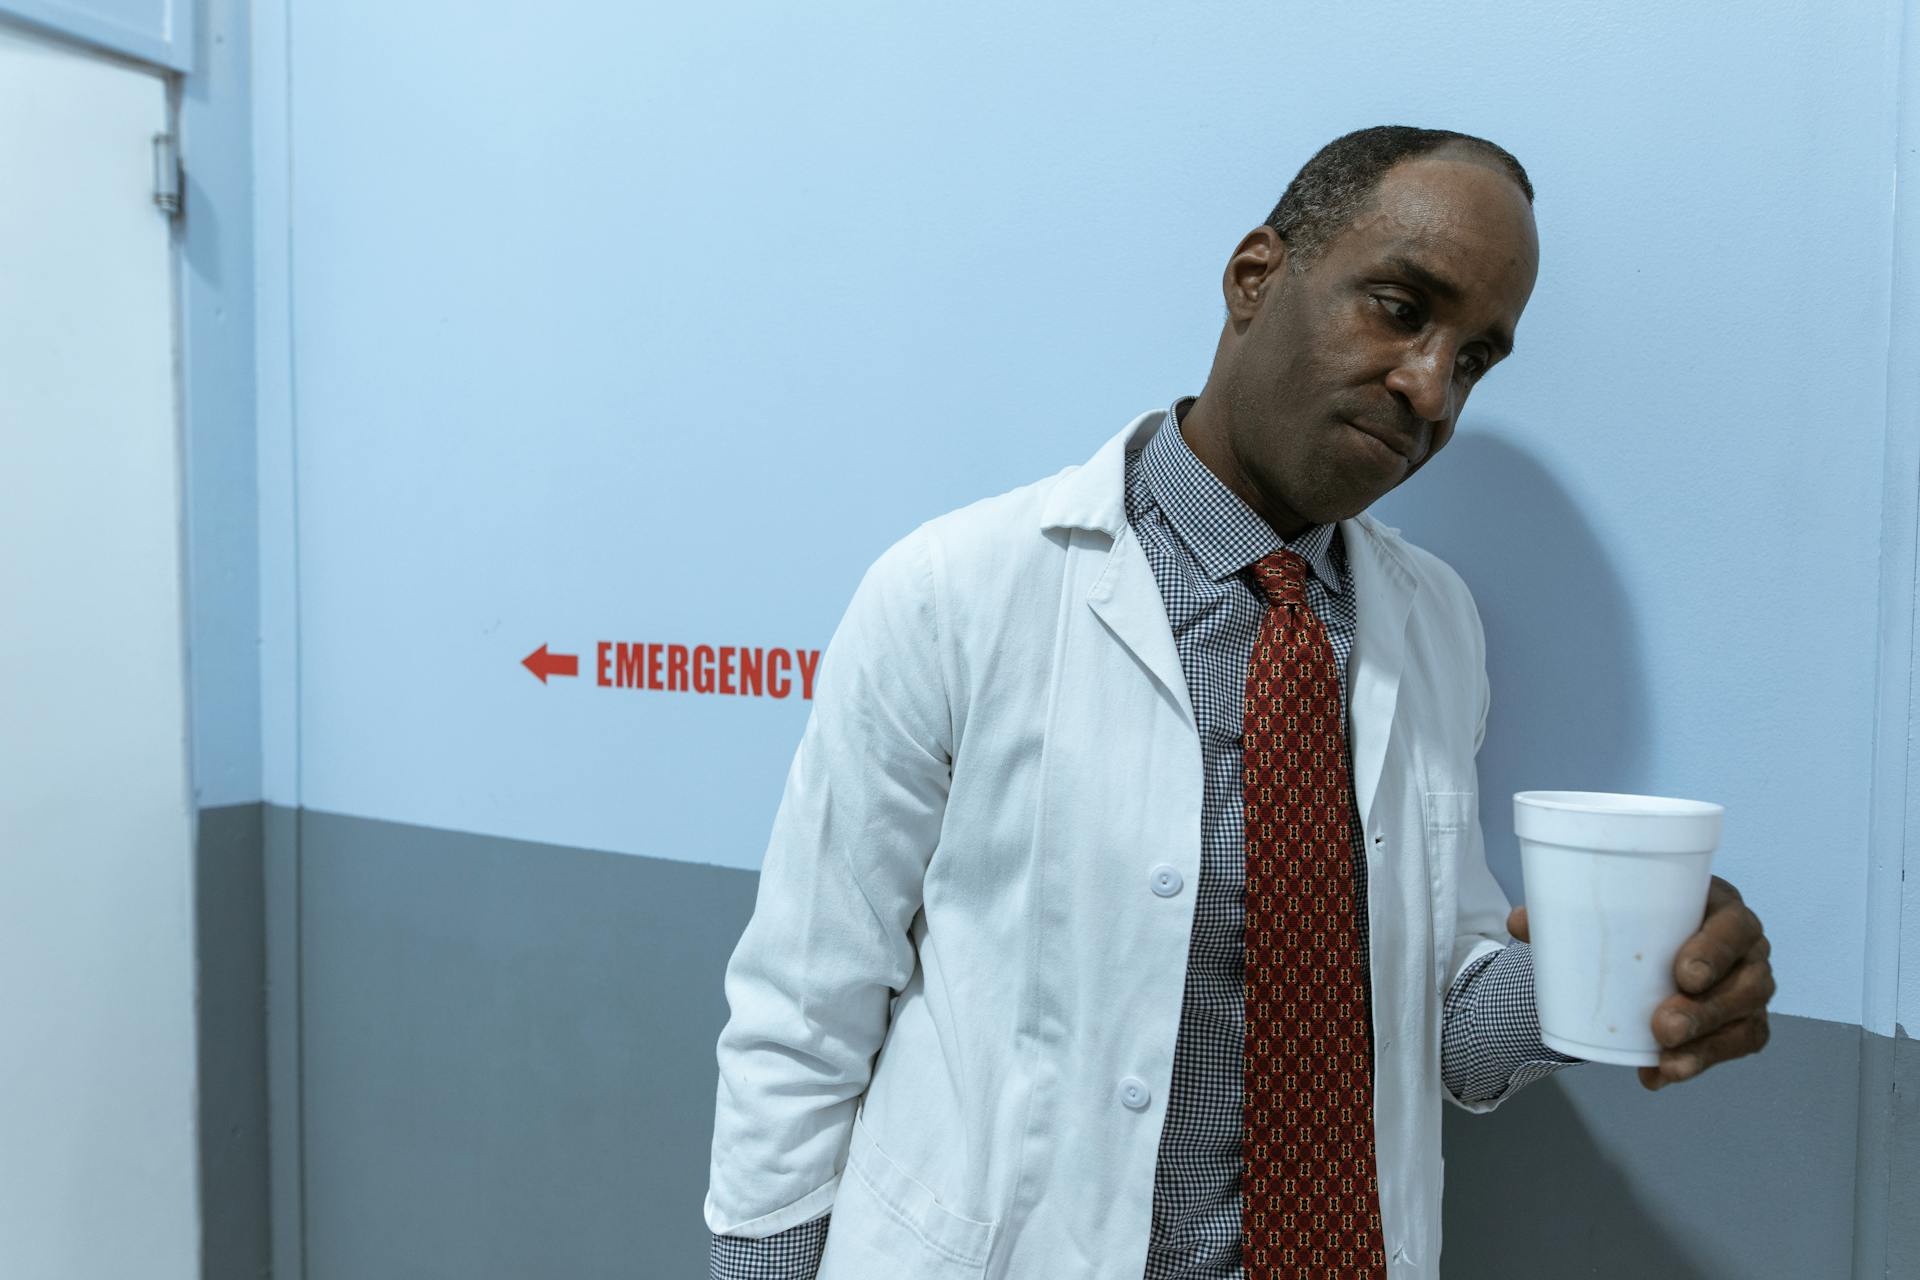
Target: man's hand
1725, 982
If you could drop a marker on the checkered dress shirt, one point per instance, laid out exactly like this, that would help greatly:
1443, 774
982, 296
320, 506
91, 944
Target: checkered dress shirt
1199, 537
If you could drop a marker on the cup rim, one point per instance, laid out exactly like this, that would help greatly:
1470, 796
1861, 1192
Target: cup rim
1618, 804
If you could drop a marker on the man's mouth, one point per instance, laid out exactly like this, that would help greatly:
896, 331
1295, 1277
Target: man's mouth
1394, 443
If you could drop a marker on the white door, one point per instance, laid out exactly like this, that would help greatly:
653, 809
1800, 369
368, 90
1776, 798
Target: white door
98, 1176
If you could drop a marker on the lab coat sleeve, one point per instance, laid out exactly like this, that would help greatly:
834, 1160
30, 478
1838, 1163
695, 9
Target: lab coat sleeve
810, 983
1480, 919
1496, 1032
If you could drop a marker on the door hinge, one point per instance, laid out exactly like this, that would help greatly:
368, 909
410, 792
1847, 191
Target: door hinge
166, 174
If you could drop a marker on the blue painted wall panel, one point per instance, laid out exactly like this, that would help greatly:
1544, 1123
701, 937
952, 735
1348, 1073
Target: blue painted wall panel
660, 325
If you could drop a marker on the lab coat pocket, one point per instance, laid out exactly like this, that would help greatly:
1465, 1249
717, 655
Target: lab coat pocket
1448, 814
887, 1222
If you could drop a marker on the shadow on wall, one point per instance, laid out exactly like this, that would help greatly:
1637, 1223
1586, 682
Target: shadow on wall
1569, 696
1530, 1193
1744, 1174
1585, 1174
1568, 712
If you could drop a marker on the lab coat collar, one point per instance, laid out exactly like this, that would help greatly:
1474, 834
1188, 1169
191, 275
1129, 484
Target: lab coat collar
1127, 598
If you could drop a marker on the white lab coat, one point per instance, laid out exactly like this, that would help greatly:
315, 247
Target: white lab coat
953, 1010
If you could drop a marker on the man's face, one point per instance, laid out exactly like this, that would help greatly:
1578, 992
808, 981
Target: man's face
1343, 380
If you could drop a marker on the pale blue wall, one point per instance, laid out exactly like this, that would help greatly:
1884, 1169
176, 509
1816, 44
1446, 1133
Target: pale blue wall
630, 323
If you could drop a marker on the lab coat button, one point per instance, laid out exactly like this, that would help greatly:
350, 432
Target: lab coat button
1166, 880
1134, 1093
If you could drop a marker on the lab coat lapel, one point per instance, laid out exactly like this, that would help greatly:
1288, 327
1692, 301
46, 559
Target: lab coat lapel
1383, 598
1125, 596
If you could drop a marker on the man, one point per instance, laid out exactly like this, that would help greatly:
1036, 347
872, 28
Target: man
1127, 911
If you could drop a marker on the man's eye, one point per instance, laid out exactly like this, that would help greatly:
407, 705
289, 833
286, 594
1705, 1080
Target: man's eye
1472, 366
1404, 312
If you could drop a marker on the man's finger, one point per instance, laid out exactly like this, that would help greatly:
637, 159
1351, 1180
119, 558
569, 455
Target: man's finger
1517, 923
1729, 931
1736, 1040
1743, 993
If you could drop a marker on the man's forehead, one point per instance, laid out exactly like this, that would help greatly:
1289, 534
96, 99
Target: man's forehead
1443, 220
1484, 240
1446, 253
1448, 168
1452, 260
1430, 192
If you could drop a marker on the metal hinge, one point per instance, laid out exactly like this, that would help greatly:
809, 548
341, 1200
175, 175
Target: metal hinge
166, 174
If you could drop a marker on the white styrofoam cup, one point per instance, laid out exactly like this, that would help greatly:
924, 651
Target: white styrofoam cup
1614, 885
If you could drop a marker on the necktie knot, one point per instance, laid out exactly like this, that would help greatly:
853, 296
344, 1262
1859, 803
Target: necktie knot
1282, 576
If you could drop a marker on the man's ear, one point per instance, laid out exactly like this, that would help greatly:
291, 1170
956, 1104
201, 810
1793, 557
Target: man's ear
1258, 265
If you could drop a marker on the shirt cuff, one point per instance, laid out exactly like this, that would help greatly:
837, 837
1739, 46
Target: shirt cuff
1490, 1044
793, 1254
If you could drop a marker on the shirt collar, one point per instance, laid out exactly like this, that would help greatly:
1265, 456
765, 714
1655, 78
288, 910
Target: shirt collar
1222, 532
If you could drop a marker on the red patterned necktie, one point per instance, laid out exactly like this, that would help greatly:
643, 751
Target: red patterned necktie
1310, 1205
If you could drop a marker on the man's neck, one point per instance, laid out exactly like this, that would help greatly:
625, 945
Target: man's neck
1205, 434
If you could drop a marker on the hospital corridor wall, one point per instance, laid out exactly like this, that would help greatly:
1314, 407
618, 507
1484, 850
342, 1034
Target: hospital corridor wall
547, 378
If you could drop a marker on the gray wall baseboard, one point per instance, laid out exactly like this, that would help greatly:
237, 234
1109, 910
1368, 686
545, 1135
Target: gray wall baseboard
230, 948
503, 1065
1902, 1191
508, 1054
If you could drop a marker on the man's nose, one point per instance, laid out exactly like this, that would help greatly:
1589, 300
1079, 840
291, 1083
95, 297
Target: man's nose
1425, 380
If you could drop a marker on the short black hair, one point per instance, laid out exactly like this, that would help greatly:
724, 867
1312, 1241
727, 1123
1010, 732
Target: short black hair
1333, 186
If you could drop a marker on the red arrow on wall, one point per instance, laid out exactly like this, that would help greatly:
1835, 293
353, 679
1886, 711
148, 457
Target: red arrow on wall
544, 664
